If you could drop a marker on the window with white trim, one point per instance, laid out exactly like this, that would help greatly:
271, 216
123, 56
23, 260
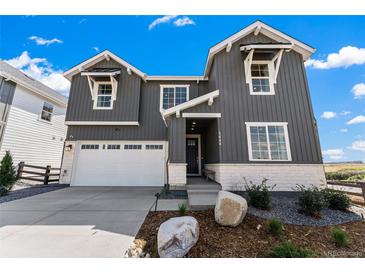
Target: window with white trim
132, 146
113, 147
47, 112
154, 147
91, 146
103, 98
173, 95
268, 142
261, 78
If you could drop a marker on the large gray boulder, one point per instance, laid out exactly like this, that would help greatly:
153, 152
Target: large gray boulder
230, 209
176, 236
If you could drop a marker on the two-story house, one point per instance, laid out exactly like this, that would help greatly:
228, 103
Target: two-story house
32, 119
249, 115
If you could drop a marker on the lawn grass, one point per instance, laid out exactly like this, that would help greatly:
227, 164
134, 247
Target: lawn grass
344, 167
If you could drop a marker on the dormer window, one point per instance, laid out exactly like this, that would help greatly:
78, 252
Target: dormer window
103, 86
104, 92
261, 81
262, 63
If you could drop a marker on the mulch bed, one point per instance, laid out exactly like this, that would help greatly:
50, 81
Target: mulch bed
248, 241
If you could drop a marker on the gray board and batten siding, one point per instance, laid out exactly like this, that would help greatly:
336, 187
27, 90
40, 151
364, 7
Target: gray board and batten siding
139, 101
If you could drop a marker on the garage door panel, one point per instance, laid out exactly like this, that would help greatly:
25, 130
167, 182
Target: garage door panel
119, 167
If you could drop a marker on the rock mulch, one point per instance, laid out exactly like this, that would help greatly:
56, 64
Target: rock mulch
251, 238
286, 209
29, 191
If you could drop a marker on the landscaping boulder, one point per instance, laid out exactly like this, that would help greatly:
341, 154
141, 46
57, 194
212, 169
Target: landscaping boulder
230, 209
176, 236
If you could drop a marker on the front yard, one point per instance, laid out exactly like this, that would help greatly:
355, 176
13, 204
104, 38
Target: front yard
252, 238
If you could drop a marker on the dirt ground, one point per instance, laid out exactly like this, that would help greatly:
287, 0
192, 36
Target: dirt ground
251, 238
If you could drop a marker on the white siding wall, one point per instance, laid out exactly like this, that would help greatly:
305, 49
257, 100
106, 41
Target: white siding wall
285, 176
30, 139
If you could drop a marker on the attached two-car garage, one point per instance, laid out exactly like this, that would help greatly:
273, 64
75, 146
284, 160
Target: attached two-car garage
119, 164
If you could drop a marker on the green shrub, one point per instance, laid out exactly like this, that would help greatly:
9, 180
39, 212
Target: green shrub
275, 227
311, 200
182, 209
340, 237
337, 175
7, 172
289, 250
336, 199
357, 178
259, 195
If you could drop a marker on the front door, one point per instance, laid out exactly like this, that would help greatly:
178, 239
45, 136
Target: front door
192, 155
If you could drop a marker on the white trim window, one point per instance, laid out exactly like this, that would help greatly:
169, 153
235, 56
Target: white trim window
173, 95
261, 78
104, 95
268, 142
47, 112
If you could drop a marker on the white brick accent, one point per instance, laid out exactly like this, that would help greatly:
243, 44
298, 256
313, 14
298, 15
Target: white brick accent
285, 176
177, 174
67, 163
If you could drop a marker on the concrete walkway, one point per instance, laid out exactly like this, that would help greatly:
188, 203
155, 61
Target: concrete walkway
74, 222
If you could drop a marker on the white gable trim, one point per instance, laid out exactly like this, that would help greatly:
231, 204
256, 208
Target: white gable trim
51, 98
196, 101
259, 27
107, 55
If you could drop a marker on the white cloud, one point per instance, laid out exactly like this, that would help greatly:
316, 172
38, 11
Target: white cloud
334, 154
358, 145
83, 20
328, 115
345, 112
184, 21
41, 70
45, 42
346, 57
161, 20
357, 120
358, 90
96, 49
344, 130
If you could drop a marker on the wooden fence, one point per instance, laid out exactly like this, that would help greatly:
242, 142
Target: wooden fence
352, 184
38, 173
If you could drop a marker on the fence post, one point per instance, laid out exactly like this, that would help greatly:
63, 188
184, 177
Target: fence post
363, 190
46, 175
20, 170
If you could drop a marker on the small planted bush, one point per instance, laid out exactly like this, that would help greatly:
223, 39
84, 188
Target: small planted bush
259, 195
357, 178
336, 200
289, 250
275, 227
7, 173
340, 237
311, 200
182, 209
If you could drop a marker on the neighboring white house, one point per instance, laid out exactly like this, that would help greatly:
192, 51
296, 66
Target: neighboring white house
32, 119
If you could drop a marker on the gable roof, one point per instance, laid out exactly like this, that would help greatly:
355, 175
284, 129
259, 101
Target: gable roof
106, 54
256, 27
9, 72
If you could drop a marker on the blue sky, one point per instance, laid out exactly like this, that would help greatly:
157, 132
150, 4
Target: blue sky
45, 46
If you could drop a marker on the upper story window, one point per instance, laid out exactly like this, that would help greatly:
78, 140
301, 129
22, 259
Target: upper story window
262, 63
103, 86
261, 78
103, 96
268, 142
173, 95
47, 112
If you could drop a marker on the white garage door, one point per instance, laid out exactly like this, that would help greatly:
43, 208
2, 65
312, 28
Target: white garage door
119, 164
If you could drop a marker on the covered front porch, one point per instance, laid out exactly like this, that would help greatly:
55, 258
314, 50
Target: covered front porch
193, 143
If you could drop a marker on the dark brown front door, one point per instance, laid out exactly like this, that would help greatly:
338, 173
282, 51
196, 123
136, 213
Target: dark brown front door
192, 150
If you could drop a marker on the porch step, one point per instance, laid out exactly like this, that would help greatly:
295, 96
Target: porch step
202, 194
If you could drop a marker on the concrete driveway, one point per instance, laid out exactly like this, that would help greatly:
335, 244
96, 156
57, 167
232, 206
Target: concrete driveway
74, 222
